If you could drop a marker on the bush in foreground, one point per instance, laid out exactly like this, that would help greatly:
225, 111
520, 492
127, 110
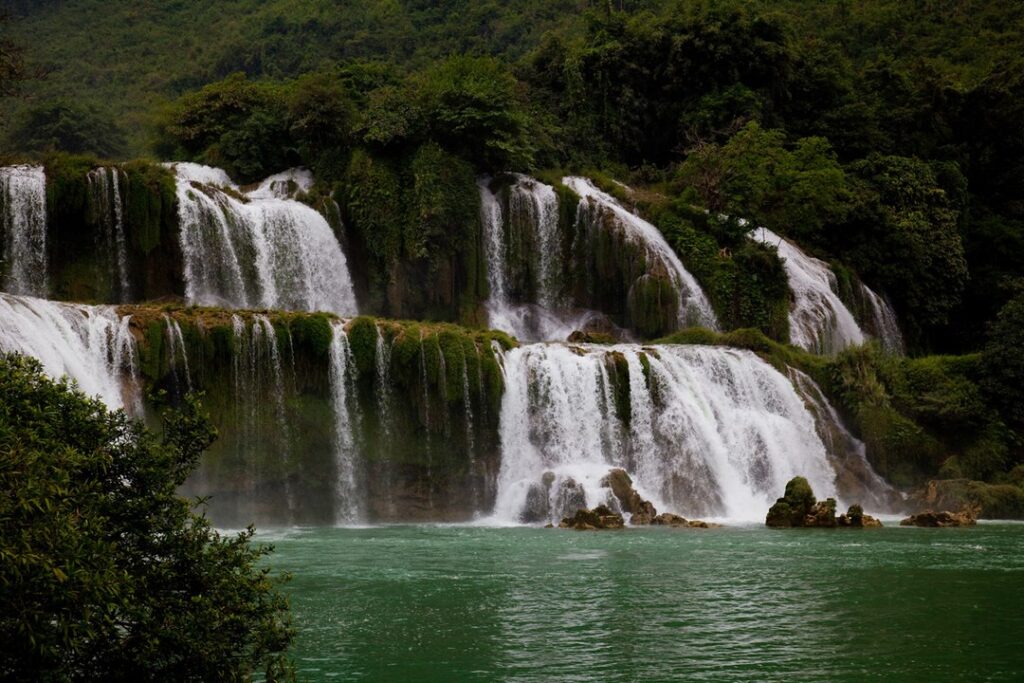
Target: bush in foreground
106, 573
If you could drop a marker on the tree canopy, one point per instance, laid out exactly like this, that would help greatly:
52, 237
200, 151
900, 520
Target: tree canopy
106, 573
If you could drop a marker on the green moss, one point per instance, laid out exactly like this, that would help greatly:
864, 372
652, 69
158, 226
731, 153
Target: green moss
312, 334
362, 340
618, 374
150, 198
450, 345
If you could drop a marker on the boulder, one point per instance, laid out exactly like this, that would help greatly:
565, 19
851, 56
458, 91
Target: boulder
674, 520
569, 496
601, 517
642, 511
966, 517
537, 507
856, 518
794, 507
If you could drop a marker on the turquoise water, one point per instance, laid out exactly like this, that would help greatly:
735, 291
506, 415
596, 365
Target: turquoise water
736, 604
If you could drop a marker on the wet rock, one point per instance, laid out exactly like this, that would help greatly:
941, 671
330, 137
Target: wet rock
537, 507
794, 507
601, 517
855, 518
569, 496
642, 511
967, 517
674, 520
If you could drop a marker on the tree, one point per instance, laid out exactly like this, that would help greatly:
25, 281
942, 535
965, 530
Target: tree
238, 124
13, 68
1002, 362
66, 126
105, 572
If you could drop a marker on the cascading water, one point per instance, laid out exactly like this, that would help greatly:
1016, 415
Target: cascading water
23, 267
819, 321
703, 431
534, 204
883, 318
257, 250
176, 350
694, 307
108, 212
346, 418
857, 480
90, 345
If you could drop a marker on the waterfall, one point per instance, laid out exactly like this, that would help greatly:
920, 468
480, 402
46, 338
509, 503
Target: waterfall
257, 250
857, 480
23, 226
703, 431
535, 204
694, 307
884, 322
175, 349
382, 361
284, 185
343, 399
90, 345
108, 213
819, 321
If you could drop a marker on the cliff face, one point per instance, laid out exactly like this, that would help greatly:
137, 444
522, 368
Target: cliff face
321, 420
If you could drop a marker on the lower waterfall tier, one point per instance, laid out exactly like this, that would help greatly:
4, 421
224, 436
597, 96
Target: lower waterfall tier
325, 420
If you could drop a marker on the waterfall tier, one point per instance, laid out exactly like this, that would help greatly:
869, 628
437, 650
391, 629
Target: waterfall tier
257, 250
703, 431
819, 321
90, 345
607, 271
23, 261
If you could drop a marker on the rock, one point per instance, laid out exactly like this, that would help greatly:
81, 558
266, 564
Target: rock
794, 507
600, 517
569, 496
669, 519
856, 519
799, 508
537, 507
642, 511
966, 517
822, 514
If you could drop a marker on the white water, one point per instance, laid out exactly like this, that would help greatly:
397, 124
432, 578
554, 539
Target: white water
176, 350
886, 325
90, 345
533, 206
715, 431
256, 250
108, 208
343, 378
859, 481
694, 307
819, 321
284, 185
23, 229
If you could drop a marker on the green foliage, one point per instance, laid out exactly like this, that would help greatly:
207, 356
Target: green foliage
236, 124
1002, 362
65, 126
107, 572
312, 333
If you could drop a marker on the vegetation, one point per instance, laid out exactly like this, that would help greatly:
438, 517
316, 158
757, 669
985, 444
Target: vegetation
106, 572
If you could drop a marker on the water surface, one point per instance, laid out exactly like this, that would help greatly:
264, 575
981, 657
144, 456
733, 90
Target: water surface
735, 604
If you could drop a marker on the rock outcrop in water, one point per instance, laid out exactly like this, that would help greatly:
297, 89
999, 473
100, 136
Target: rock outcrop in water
799, 508
942, 519
601, 517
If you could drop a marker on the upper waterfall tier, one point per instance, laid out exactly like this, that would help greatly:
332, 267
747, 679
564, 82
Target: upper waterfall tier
596, 207
23, 267
819, 321
257, 250
606, 271
702, 431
